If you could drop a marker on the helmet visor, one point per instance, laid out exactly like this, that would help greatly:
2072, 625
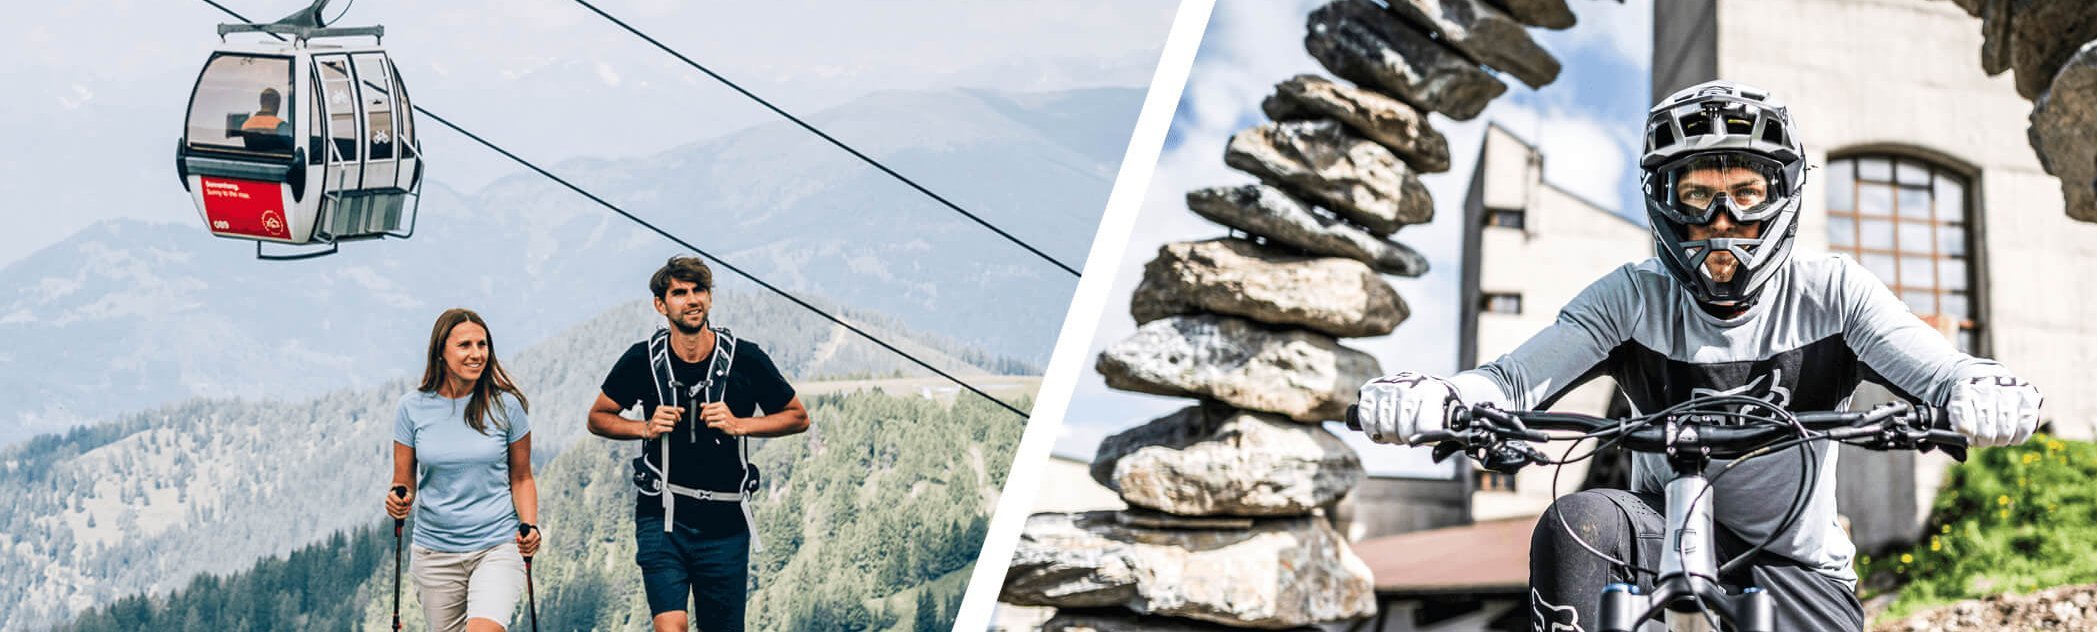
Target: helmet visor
1695, 189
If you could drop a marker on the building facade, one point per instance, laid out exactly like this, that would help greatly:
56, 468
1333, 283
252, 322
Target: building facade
1529, 247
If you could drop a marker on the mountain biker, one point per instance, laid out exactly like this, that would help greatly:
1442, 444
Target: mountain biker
1723, 308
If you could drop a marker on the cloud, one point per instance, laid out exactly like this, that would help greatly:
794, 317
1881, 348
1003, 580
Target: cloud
81, 95
606, 74
1624, 29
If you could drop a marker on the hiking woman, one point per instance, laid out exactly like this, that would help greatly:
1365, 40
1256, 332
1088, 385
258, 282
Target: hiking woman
462, 447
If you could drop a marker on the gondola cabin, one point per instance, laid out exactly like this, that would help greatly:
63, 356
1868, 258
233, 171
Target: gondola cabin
301, 143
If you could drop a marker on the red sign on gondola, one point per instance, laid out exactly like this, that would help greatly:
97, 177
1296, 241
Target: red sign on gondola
245, 208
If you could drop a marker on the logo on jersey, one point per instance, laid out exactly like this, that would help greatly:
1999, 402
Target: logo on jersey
1778, 395
1545, 617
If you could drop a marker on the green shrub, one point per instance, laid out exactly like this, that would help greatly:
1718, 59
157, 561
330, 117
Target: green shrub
2009, 520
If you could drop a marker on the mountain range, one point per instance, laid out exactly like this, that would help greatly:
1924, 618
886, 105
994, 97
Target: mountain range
128, 316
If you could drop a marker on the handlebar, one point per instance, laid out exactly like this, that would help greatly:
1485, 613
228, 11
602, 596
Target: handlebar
1721, 434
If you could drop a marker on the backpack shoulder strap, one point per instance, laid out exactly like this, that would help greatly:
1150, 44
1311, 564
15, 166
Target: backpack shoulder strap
724, 359
659, 368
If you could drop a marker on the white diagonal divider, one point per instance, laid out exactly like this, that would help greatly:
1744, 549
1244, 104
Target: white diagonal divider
1087, 305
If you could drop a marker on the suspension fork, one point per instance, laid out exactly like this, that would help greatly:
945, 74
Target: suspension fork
1687, 589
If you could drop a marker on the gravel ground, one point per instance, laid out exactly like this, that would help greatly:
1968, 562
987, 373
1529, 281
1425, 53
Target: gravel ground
2064, 608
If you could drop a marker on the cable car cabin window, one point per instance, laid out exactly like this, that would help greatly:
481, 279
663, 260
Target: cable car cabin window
377, 85
243, 104
407, 118
316, 131
407, 114
342, 108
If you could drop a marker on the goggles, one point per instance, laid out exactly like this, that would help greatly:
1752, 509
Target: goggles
1693, 190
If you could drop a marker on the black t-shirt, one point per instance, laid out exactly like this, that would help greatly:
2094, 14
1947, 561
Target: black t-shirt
700, 457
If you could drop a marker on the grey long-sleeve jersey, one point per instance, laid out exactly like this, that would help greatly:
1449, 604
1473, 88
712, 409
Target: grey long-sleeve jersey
1821, 326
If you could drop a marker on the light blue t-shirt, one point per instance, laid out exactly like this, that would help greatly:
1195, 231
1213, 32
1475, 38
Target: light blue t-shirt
463, 503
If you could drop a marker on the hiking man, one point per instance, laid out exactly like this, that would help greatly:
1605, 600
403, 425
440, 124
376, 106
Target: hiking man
703, 394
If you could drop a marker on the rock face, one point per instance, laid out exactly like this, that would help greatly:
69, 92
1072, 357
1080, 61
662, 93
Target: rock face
1271, 213
1305, 376
1207, 462
1398, 126
1550, 14
1483, 33
2034, 38
2064, 132
1280, 574
1362, 43
1342, 297
1357, 178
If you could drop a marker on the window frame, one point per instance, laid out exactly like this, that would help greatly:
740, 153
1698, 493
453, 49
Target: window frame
1972, 332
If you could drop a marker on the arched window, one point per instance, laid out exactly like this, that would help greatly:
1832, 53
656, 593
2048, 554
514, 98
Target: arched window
1910, 223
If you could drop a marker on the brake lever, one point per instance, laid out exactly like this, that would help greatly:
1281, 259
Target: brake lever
1508, 457
1913, 433
1446, 449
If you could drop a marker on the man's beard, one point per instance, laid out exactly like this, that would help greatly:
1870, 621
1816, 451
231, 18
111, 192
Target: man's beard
678, 323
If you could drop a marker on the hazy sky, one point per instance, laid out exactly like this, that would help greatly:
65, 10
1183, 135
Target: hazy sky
1586, 124
97, 91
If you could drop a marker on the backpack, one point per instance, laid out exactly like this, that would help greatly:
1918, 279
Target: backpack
654, 481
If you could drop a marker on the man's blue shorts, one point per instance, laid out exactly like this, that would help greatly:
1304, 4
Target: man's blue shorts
714, 571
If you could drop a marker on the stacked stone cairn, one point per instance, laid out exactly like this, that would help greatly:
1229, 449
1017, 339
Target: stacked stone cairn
2052, 46
1223, 529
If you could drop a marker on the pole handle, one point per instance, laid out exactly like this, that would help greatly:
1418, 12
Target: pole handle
401, 492
524, 529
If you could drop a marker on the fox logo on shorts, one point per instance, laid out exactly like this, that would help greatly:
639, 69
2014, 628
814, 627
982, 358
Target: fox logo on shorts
1545, 617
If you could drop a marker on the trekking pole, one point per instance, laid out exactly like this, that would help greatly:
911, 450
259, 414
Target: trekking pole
401, 492
524, 529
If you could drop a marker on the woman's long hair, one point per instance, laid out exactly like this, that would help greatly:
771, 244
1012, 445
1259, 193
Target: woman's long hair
493, 380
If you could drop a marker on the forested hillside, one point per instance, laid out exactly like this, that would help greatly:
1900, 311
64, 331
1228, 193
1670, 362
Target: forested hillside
145, 502
871, 520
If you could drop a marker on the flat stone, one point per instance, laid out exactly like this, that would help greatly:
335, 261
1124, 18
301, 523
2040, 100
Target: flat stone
1550, 14
1212, 460
2035, 38
1354, 177
1333, 295
1995, 36
1154, 519
1365, 44
1303, 375
1277, 216
1484, 34
2064, 132
1388, 121
1279, 574
1118, 620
